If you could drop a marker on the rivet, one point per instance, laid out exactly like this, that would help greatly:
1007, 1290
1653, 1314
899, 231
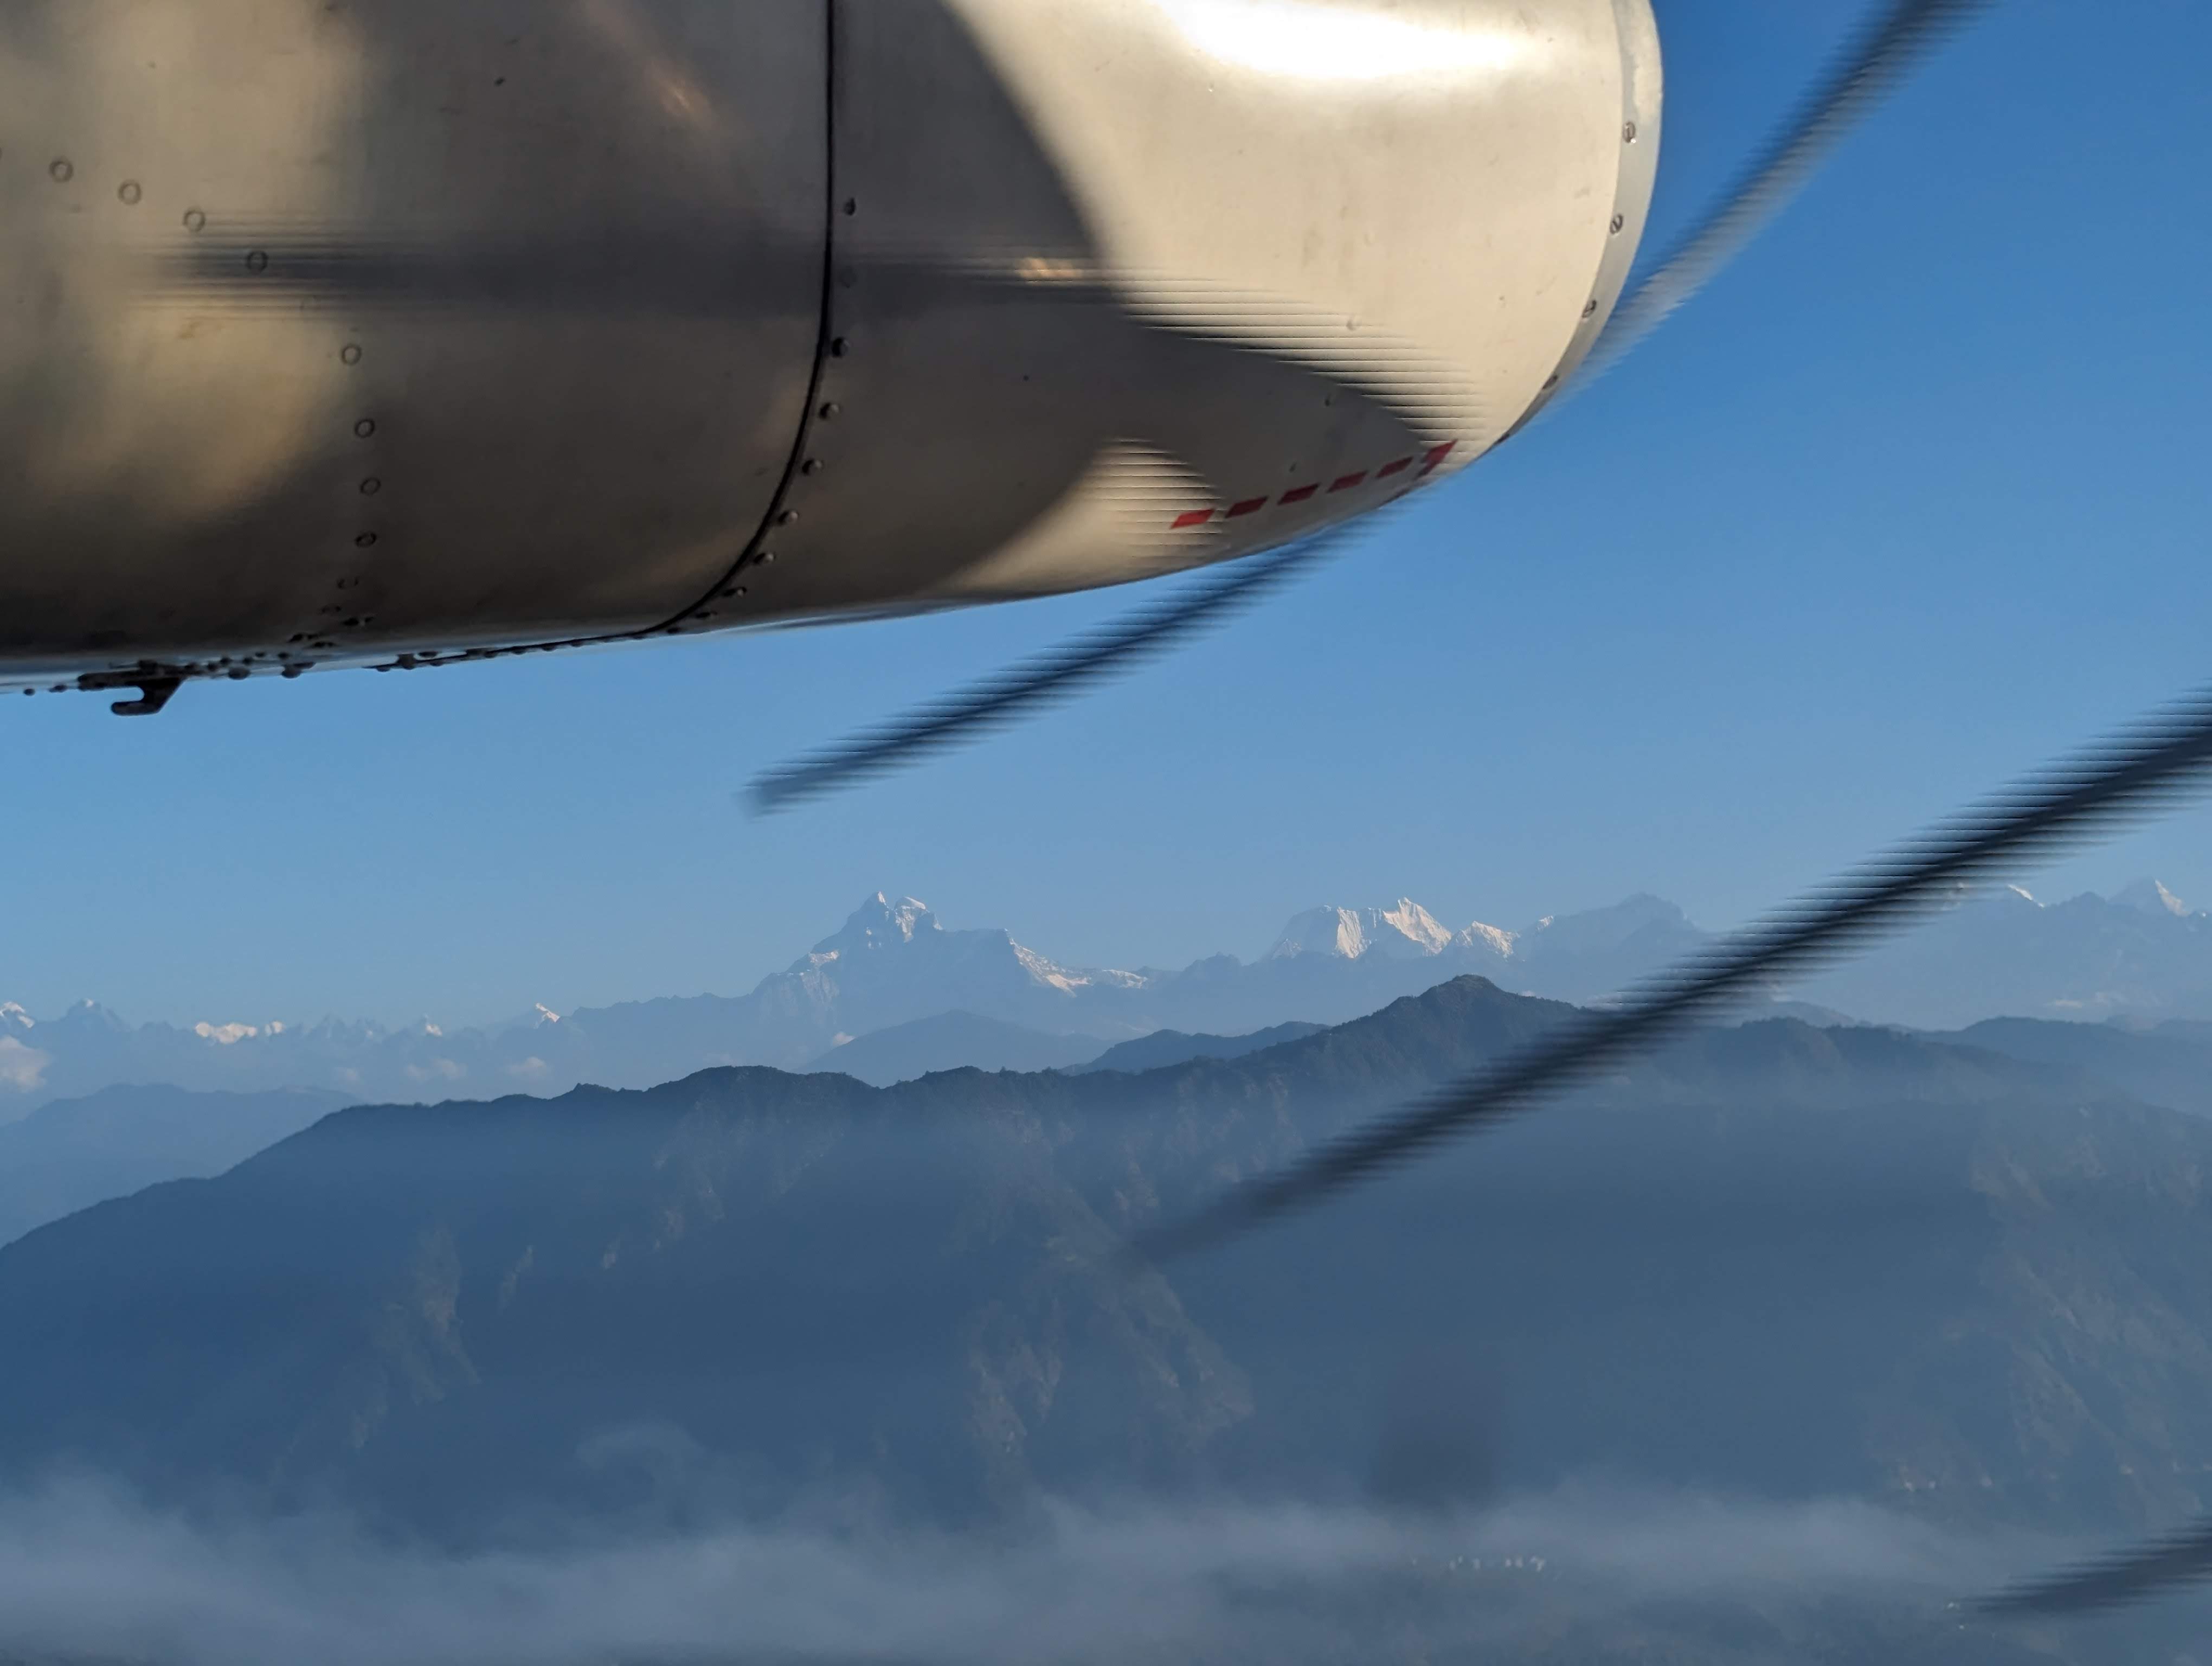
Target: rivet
366, 541
1552, 380
1619, 223
195, 220
1628, 133
1590, 311
702, 614
62, 171
730, 590
788, 518
740, 590
811, 466
257, 261
832, 411
370, 487
239, 673
28, 692
852, 208
363, 428
294, 671
129, 192
840, 347
349, 354
765, 557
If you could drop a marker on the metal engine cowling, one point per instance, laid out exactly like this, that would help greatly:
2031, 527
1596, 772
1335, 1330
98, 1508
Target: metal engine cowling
399, 330
1123, 286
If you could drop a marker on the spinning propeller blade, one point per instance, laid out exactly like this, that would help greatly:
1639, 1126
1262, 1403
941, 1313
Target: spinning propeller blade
2163, 1564
2132, 773
1866, 74
1039, 682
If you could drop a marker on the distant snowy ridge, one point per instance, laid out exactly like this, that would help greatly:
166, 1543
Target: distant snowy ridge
1406, 931
1997, 950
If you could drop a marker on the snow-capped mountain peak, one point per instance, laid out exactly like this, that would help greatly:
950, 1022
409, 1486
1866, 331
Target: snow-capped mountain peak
2149, 896
1417, 926
13, 1016
1405, 931
877, 924
1481, 939
1321, 930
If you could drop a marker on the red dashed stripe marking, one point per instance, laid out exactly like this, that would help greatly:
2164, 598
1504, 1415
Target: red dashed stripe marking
1430, 460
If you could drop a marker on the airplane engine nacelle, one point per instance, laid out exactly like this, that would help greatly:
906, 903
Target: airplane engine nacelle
334, 330
1122, 286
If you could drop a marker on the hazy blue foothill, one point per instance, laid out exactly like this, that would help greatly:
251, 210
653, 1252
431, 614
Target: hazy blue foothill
1163, 1047
69, 1154
951, 1040
1776, 1261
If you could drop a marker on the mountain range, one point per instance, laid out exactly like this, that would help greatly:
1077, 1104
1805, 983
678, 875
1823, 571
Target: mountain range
1774, 1261
2140, 957
1956, 1279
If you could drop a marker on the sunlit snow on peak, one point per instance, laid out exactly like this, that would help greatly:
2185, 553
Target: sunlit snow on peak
1405, 931
229, 1035
2149, 896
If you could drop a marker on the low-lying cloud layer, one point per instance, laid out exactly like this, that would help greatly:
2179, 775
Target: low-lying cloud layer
86, 1572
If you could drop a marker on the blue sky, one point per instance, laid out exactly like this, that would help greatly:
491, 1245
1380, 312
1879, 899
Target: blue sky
1910, 499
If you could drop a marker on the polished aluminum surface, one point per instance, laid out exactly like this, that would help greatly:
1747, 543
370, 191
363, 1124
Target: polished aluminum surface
403, 322
1125, 286
394, 331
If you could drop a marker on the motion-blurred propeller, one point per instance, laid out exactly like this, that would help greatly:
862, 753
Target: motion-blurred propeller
1907, 32
1039, 682
2163, 1564
2133, 774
